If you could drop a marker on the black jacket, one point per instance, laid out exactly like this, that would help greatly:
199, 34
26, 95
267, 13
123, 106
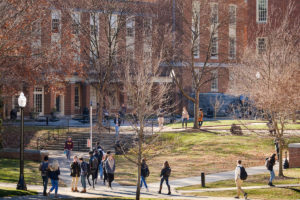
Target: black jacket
144, 170
165, 172
271, 164
75, 169
117, 122
54, 174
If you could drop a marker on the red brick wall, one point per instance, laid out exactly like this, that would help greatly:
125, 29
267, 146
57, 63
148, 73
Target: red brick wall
294, 156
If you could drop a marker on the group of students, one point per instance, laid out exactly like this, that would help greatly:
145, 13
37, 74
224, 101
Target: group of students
241, 174
99, 161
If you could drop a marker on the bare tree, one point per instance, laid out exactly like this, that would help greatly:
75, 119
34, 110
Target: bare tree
205, 33
269, 74
217, 104
148, 95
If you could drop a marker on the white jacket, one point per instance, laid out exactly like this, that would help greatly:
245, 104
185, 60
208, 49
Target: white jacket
237, 172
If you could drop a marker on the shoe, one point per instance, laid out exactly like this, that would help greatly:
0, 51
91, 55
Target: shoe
55, 196
48, 194
73, 190
83, 191
159, 192
236, 197
246, 195
147, 189
44, 194
169, 193
272, 185
76, 190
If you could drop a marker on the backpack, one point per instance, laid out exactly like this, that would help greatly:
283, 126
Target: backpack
168, 172
44, 169
243, 174
267, 163
147, 172
94, 163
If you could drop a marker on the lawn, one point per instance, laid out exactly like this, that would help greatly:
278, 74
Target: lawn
189, 154
9, 172
245, 124
10, 192
292, 176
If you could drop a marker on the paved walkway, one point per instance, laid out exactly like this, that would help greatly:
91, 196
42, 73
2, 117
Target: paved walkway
234, 188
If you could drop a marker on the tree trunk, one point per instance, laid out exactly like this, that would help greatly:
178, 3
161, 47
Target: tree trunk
215, 113
100, 108
294, 117
138, 186
196, 110
280, 173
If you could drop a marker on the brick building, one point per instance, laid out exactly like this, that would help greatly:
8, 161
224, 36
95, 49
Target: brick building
240, 19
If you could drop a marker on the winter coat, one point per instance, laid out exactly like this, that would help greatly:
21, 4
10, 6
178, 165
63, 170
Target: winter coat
93, 162
44, 168
271, 163
83, 169
117, 121
110, 170
200, 119
75, 169
185, 115
144, 170
53, 175
69, 145
165, 172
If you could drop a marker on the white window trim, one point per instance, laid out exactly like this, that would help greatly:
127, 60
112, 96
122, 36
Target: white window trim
79, 96
196, 10
43, 99
215, 73
62, 103
229, 56
257, 12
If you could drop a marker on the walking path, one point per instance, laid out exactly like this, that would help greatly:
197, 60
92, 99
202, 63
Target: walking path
234, 188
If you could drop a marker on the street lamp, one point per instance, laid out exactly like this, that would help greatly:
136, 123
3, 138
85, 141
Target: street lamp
91, 126
22, 103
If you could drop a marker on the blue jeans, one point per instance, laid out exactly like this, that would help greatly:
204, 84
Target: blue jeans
54, 185
45, 183
272, 176
83, 181
200, 123
101, 170
162, 181
184, 121
68, 154
143, 180
117, 130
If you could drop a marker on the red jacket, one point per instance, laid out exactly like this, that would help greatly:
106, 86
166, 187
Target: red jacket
69, 145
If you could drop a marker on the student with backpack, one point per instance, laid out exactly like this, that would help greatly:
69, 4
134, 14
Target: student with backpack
83, 174
75, 173
270, 162
144, 173
103, 167
99, 158
240, 176
165, 174
93, 164
44, 167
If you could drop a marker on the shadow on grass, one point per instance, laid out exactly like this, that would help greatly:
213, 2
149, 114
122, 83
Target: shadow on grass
7, 192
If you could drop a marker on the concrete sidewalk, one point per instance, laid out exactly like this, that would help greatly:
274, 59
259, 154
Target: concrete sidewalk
234, 188
213, 177
101, 191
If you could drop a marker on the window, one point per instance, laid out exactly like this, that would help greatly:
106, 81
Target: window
55, 25
196, 28
75, 22
214, 47
94, 29
38, 99
114, 23
232, 48
232, 14
261, 45
147, 27
77, 97
261, 11
36, 28
130, 27
214, 82
214, 13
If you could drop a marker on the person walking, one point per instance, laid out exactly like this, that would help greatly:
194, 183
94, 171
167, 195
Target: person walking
144, 173
75, 173
93, 164
123, 113
117, 122
185, 117
103, 167
276, 143
83, 174
165, 174
200, 118
54, 172
270, 165
110, 167
44, 168
68, 147
100, 156
238, 180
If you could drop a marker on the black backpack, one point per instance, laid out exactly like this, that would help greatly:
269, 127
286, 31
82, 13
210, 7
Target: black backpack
243, 174
147, 172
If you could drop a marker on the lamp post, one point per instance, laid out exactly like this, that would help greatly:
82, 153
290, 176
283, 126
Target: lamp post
22, 103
